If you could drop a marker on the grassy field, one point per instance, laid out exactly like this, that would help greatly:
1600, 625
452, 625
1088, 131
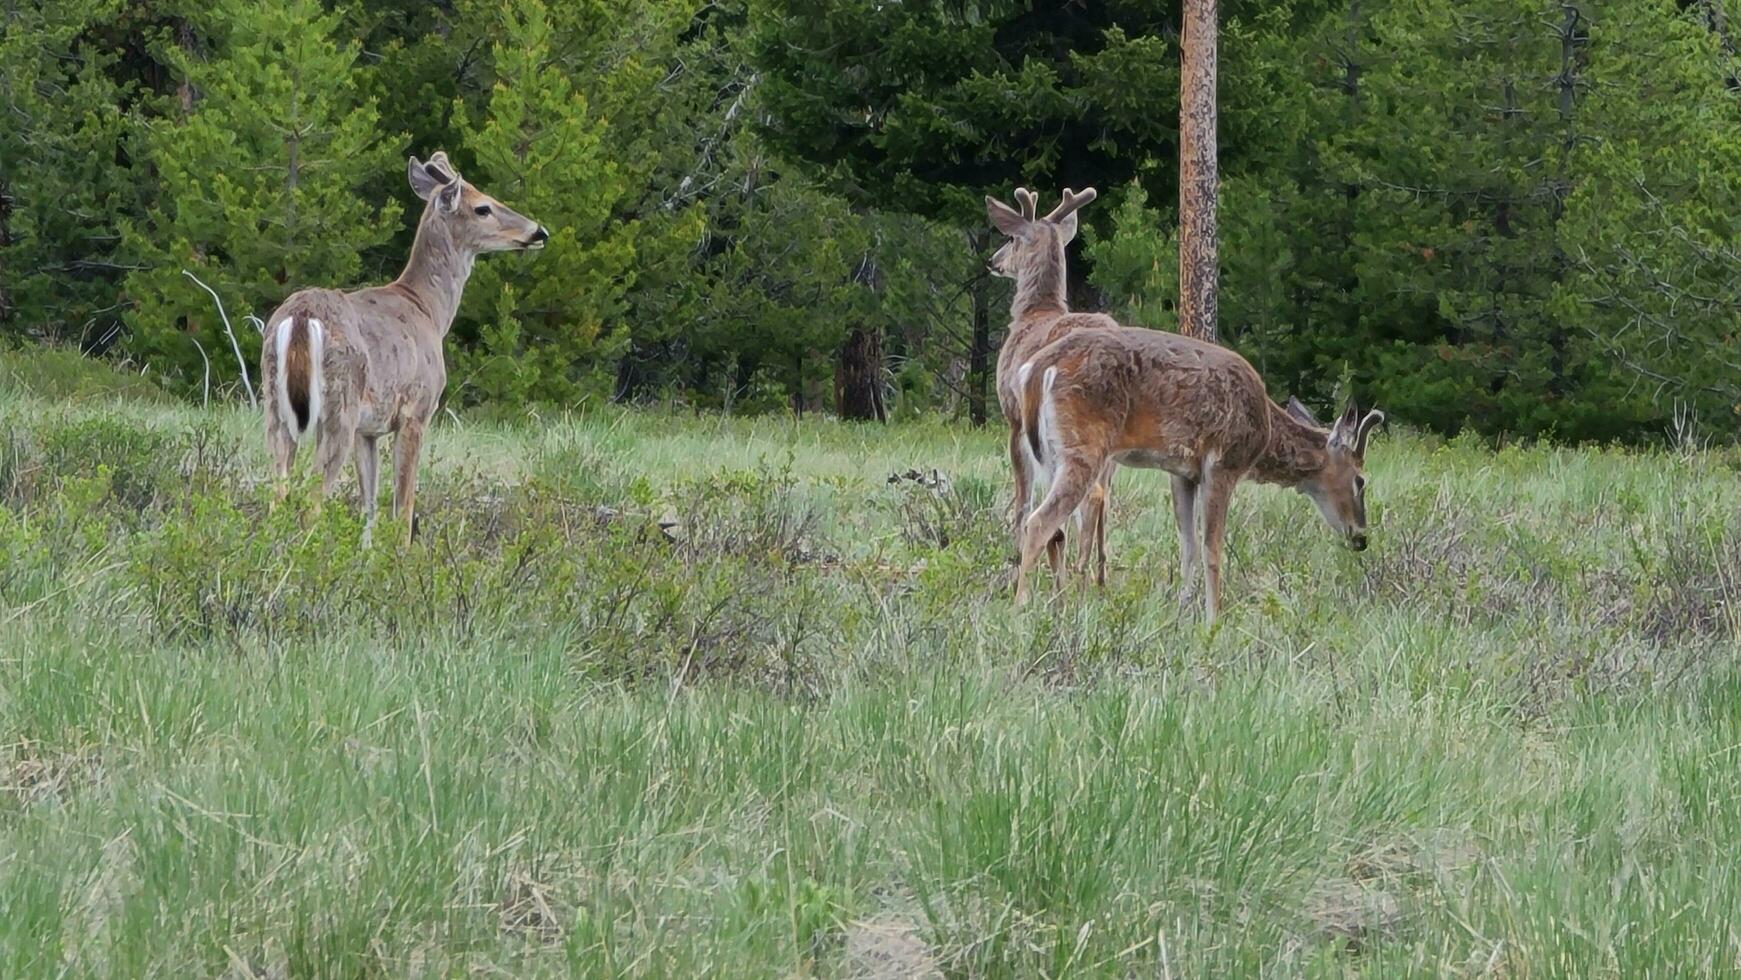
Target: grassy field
659, 695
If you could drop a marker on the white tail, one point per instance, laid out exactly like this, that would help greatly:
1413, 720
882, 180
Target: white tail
1035, 419
315, 380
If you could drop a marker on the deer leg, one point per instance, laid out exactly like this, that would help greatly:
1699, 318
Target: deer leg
283, 451
1219, 493
1019, 469
368, 459
333, 439
1069, 486
1084, 514
1185, 515
1092, 547
1080, 523
407, 446
1022, 467
1102, 501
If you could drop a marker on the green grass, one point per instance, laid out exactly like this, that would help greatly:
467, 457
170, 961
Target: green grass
798, 734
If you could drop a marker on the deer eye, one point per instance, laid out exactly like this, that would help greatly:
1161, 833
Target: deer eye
1360, 484
482, 210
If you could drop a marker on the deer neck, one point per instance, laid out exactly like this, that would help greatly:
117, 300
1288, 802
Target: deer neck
1040, 288
1297, 451
436, 272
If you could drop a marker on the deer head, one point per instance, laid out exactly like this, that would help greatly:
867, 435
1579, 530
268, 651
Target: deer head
475, 221
1034, 242
1338, 487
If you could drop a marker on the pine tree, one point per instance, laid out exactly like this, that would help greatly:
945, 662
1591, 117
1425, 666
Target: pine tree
765, 297
925, 107
1651, 232
1511, 151
259, 182
60, 184
545, 328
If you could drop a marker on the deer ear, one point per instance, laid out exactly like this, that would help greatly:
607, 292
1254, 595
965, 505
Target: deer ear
1004, 218
1342, 434
447, 197
1373, 420
422, 183
1301, 413
442, 169
1067, 227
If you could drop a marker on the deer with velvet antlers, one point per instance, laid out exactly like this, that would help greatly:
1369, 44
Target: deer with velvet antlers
1034, 258
1156, 400
346, 368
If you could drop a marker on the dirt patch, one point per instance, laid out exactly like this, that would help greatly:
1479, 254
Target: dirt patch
29, 776
887, 949
1353, 913
260, 967
1386, 863
531, 910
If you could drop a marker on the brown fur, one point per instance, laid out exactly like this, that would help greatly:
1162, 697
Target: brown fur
382, 362
1158, 400
296, 369
1297, 453
1123, 391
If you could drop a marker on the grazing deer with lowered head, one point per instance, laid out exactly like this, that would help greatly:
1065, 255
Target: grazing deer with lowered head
346, 368
1034, 258
1158, 400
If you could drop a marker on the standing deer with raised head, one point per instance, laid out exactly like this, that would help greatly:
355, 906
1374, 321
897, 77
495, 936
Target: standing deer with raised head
349, 367
1034, 258
1157, 400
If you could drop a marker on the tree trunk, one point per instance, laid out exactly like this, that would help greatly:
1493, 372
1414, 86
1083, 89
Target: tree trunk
979, 349
1198, 178
628, 379
184, 93
858, 377
858, 373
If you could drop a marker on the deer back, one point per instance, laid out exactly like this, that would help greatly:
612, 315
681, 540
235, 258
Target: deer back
1027, 337
1154, 399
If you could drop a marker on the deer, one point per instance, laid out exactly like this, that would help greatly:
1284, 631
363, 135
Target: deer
344, 369
1157, 400
1034, 258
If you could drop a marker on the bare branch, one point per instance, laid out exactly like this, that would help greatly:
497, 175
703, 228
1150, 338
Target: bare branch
247, 383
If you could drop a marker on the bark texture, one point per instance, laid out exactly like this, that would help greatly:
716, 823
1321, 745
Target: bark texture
858, 377
1198, 175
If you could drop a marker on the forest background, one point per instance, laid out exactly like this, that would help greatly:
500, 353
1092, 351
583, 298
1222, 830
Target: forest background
1511, 218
